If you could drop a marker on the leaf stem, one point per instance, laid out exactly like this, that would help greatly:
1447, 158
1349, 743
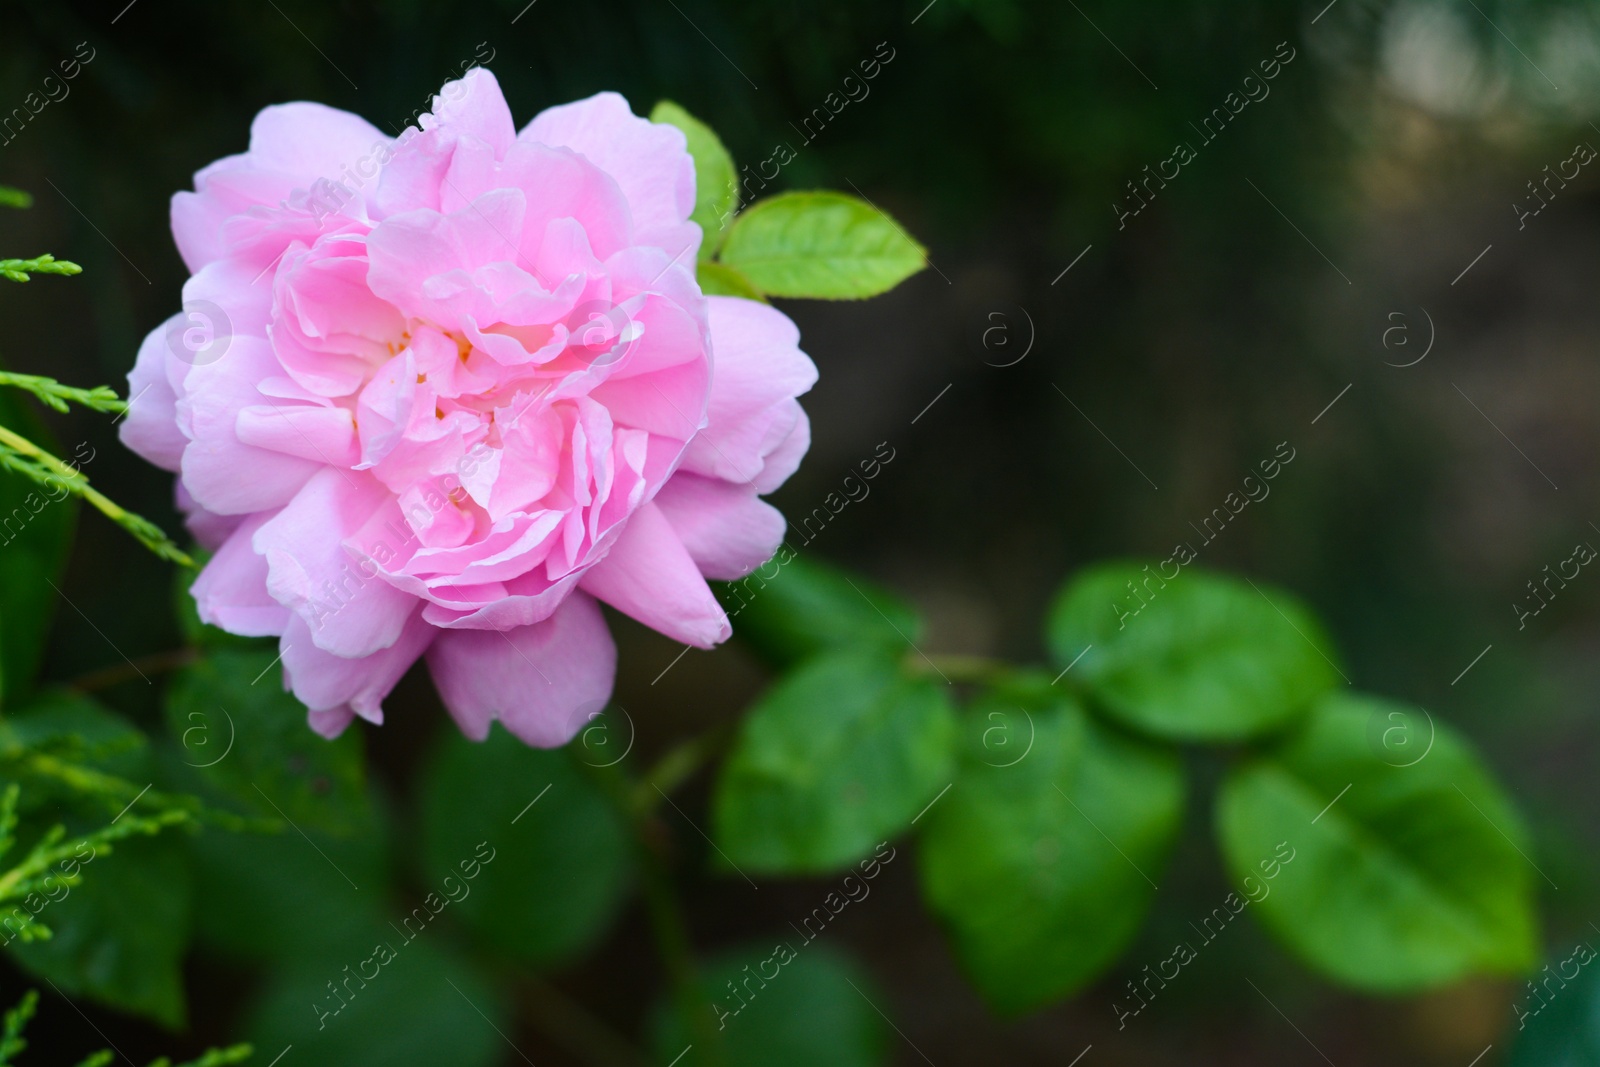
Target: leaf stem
958, 667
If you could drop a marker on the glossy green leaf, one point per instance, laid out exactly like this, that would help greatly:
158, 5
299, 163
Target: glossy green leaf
813, 1007
414, 1002
719, 279
793, 607
716, 184
119, 936
1198, 657
36, 527
1403, 877
1042, 860
821, 244
561, 863
838, 756
244, 735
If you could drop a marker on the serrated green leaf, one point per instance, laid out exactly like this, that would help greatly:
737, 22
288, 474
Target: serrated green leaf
719, 279
36, 527
820, 244
562, 864
1404, 877
248, 738
838, 756
716, 184
793, 607
1040, 860
1197, 657
814, 1010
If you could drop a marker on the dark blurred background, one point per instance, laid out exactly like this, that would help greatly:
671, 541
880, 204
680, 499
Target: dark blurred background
1183, 345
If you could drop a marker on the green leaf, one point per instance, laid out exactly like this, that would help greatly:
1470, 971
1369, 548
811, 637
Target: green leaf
1403, 877
78, 727
834, 759
561, 864
284, 897
249, 739
1039, 861
35, 537
806, 607
716, 184
719, 279
1198, 657
813, 1009
821, 244
1558, 1012
425, 1005
120, 934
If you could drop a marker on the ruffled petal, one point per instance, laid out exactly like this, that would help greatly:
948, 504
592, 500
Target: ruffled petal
231, 592
727, 530
752, 414
292, 146
649, 160
649, 575
322, 681
150, 426
336, 591
542, 681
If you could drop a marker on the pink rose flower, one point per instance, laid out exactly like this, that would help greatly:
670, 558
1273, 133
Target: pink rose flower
437, 395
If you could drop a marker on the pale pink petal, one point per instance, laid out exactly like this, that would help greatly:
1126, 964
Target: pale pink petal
350, 609
150, 426
759, 371
210, 530
649, 575
543, 682
727, 530
785, 459
292, 146
224, 474
649, 160
473, 106
331, 722
231, 591
323, 681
